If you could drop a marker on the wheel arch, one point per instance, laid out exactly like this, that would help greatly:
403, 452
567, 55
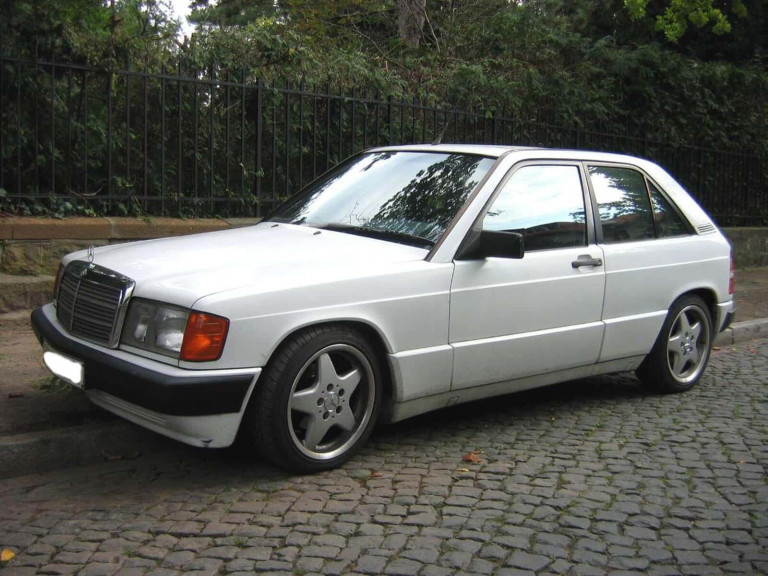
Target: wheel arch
372, 334
710, 299
655, 372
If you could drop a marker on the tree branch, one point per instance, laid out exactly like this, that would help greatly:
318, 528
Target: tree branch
385, 55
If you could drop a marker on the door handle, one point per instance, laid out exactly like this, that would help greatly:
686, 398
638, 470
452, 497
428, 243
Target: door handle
586, 260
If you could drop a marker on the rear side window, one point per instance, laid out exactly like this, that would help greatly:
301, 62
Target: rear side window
543, 203
623, 203
668, 222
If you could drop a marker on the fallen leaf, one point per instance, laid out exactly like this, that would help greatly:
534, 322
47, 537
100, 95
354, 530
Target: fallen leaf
112, 457
462, 469
375, 474
7, 555
472, 458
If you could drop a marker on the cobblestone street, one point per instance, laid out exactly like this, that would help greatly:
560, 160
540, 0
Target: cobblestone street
589, 477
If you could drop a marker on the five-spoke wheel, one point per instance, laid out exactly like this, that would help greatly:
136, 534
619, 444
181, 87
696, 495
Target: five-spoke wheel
317, 400
688, 343
681, 352
331, 401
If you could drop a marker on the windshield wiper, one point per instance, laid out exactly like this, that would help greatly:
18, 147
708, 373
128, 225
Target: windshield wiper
401, 237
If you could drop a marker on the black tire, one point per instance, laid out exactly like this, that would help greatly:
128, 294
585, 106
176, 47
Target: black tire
681, 352
303, 416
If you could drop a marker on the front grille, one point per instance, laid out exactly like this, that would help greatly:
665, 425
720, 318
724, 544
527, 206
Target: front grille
91, 302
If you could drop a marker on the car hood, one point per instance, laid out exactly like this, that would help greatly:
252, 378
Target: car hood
266, 256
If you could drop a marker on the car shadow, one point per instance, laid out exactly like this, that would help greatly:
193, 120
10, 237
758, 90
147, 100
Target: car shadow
534, 403
179, 467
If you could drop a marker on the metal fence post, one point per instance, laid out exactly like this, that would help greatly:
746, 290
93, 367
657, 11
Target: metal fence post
109, 133
259, 130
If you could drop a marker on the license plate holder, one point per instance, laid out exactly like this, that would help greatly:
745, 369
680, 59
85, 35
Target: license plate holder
62, 366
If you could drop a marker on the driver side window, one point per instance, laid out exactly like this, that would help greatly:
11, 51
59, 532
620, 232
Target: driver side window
543, 203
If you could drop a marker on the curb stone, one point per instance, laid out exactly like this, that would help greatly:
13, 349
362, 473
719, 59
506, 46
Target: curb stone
35, 452
47, 450
742, 331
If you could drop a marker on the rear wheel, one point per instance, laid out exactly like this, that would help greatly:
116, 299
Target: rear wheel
681, 352
318, 399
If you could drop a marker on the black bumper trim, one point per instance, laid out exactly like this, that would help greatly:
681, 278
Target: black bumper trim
728, 320
171, 395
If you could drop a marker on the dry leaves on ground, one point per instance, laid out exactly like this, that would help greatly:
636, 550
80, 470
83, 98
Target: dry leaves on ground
112, 457
472, 458
7, 555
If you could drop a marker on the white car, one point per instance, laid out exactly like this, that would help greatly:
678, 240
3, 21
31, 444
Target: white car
405, 280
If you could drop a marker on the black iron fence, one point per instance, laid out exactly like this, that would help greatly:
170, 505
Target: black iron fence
192, 142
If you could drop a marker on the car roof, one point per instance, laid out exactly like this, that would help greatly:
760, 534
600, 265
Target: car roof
496, 151
491, 150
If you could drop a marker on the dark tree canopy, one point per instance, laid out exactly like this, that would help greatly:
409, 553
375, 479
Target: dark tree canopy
605, 63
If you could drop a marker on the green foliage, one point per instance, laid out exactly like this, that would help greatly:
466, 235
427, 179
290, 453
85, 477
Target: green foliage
53, 385
601, 65
232, 12
677, 15
88, 31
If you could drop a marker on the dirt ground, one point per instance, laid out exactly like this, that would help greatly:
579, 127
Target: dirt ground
751, 293
30, 399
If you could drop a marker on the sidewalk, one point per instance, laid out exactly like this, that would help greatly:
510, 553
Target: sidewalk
45, 425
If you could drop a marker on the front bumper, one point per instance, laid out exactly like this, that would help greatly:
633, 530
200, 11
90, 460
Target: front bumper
199, 407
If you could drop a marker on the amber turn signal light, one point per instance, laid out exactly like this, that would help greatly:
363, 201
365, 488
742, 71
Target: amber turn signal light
204, 337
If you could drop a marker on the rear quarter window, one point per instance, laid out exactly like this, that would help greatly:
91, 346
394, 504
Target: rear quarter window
623, 204
668, 221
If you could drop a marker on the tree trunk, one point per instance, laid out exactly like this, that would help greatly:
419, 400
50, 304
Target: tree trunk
410, 20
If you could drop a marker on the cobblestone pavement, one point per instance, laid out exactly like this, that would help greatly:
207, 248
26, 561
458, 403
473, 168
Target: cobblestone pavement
589, 477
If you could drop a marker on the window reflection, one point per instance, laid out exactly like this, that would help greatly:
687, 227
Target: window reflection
409, 193
668, 223
622, 198
545, 204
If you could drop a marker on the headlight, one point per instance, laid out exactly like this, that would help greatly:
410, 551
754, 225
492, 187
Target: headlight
155, 327
173, 331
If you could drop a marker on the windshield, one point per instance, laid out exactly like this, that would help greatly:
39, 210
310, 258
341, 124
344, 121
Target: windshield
407, 197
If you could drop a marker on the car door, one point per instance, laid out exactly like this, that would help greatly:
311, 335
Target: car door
650, 255
512, 318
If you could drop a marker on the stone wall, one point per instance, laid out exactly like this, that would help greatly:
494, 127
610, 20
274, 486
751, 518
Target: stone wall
34, 246
750, 246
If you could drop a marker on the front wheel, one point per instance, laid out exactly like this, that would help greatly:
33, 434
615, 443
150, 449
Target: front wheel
681, 352
318, 399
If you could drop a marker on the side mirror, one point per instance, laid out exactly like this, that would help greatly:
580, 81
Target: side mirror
493, 243
501, 244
